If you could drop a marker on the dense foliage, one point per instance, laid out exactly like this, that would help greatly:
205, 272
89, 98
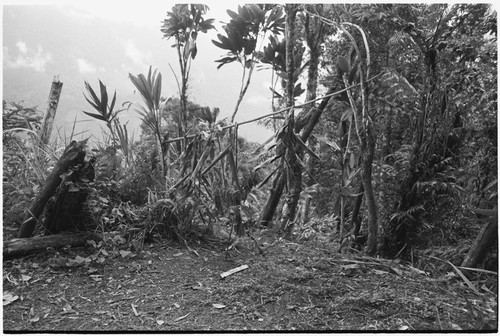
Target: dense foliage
401, 149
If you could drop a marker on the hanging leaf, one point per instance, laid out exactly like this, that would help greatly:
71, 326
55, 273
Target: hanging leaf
276, 94
94, 115
304, 147
226, 60
224, 43
347, 114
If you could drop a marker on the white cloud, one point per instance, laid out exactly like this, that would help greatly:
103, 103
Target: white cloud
22, 47
27, 58
137, 56
85, 66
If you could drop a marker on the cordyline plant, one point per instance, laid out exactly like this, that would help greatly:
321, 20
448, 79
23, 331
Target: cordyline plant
108, 114
105, 111
149, 88
183, 24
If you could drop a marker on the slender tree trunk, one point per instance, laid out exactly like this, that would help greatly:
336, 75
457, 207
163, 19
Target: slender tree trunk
236, 196
294, 180
355, 220
243, 92
371, 204
273, 200
314, 29
307, 209
344, 163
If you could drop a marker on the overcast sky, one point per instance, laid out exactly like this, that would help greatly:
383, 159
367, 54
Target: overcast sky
208, 86
144, 12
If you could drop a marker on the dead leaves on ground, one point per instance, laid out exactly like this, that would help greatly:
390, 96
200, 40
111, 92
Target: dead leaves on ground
293, 287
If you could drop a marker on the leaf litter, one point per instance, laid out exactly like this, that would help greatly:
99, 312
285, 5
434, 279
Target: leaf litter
292, 287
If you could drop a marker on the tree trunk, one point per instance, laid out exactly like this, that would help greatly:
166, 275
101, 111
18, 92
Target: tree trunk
306, 210
482, 244
236, 196
344, 165
290, 12
273, 200
315, 32
50, 114
22, 246
279, 182
355, 220
294, 180
388, 135
73, 154
371, 204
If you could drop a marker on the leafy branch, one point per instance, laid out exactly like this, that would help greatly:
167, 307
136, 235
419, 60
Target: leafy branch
183, 24
245, 34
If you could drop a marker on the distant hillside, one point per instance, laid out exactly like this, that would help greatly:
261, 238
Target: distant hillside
43, 41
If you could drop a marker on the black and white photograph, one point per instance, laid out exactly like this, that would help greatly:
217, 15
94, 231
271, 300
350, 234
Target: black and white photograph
231, 167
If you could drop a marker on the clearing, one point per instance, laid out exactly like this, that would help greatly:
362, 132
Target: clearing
293, 286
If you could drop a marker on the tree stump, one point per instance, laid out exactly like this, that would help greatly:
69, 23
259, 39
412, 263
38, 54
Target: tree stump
72, 159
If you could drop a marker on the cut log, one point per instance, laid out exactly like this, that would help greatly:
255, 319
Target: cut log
22, 246
73, 154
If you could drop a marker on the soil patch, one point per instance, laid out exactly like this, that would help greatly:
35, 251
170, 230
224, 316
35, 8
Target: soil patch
291, 287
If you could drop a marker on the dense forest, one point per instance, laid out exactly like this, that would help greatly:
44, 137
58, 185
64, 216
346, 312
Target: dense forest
385, 142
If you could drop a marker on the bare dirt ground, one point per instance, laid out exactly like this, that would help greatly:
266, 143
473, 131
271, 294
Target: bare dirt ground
167, 287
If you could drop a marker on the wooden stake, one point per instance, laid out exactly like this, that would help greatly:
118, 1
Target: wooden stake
234, 270
50, 114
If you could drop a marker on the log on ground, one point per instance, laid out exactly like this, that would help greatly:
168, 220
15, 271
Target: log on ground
22, 246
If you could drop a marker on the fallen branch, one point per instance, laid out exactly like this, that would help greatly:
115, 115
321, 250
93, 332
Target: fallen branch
22, 246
